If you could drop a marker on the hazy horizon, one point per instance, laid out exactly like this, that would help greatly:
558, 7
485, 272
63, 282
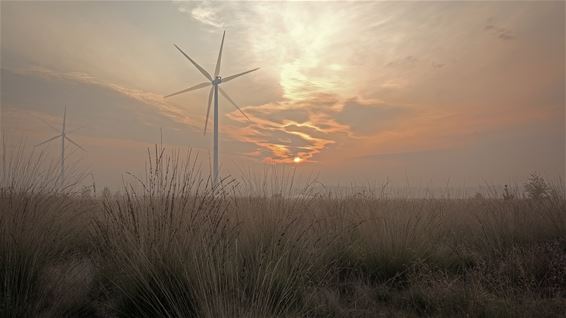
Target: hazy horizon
464, 93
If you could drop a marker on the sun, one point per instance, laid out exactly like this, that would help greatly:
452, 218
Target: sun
297, 159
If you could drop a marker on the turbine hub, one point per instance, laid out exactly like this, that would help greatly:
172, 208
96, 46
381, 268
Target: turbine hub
217, 80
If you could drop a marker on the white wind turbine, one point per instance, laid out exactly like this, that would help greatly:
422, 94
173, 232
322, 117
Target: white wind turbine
215, 83
64, 136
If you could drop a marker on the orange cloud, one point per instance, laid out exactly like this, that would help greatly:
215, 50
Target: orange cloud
281, 140
149, 98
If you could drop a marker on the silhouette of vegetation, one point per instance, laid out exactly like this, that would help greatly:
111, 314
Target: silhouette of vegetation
171, 245
536, 187
507, 195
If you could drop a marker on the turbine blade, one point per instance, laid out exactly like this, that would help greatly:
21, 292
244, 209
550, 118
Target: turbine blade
74, 143
231, 101
217, 69
208, 109
229, 78
192, 88
202, 70
48, 140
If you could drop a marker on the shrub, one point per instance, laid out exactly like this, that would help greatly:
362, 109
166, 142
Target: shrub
536, 187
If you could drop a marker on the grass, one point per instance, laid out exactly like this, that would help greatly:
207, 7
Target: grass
172, 245
40, 227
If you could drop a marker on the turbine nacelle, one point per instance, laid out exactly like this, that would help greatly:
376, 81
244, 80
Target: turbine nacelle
212, 81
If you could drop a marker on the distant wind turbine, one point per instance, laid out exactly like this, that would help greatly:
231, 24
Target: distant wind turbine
215, 83
64, 136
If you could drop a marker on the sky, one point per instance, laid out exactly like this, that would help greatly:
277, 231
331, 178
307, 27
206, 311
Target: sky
471, 92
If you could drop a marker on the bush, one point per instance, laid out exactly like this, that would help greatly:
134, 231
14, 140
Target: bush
536, 187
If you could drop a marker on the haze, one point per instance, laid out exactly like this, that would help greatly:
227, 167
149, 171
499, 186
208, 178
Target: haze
429, 91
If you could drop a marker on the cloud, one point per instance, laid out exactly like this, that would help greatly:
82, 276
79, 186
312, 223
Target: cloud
281, 140
148, 98
410, 62
205, 13
299, 41
502, 33
370, 116
309, 50
338, 81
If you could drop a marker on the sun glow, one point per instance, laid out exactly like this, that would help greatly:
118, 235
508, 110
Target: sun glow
302, 44
298, 41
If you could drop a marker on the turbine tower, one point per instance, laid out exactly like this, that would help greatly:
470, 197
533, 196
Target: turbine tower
215, 83
64, 136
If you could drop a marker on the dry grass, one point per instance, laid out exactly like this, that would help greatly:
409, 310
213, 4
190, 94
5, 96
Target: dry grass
174, 246
41, 225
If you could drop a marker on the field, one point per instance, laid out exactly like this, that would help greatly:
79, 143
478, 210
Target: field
172, 246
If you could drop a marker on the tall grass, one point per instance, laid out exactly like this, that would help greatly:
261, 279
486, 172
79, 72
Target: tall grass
39, 227
173, 245
153, 236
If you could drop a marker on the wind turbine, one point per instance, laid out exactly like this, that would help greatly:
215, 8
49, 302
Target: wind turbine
64, 136
215, 83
